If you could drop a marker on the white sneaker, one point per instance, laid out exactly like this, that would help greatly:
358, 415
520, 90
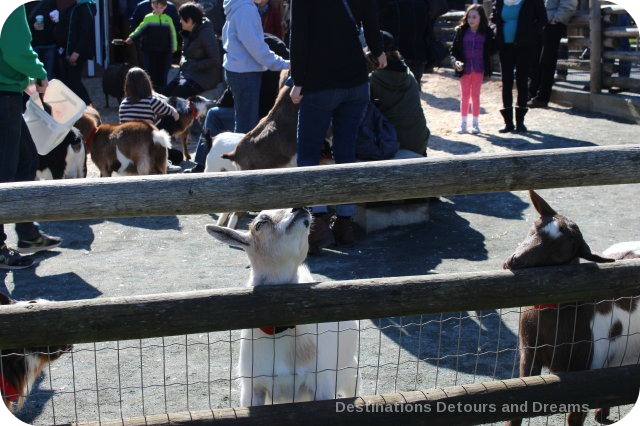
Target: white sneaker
461, 129
173, 169
475, 129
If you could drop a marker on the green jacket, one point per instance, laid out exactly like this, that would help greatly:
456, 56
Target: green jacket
18, 61
399, 101
157, 33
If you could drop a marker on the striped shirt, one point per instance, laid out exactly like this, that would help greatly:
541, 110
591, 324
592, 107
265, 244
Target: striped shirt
149, 109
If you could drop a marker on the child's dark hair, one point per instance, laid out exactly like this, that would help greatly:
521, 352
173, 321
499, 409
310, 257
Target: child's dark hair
484, 22
193, 11
163, 2
137, 84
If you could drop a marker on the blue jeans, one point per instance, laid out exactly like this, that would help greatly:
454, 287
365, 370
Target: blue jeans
624, 68
219, 119
18, 155
342, 107
47, 55
245, 87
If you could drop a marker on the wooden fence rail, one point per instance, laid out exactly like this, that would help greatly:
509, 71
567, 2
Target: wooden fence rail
304, 186
459, 405
137, 317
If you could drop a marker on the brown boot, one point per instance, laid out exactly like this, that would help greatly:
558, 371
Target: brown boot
342, 230
320, 235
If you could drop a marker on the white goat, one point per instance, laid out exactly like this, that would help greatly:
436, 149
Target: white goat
223, 143
296, 363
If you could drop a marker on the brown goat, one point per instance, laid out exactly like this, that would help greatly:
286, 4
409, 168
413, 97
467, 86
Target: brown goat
272, 143
572, 336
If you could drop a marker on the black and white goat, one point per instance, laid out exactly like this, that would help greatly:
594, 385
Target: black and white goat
573, 336
68, 160
20, 367
300, 362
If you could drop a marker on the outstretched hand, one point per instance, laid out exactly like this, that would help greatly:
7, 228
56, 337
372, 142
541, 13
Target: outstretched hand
296, 94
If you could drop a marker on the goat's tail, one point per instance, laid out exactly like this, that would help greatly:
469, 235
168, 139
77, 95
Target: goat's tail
162, 138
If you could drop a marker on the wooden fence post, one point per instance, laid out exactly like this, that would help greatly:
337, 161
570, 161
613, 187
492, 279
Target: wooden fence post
596, 48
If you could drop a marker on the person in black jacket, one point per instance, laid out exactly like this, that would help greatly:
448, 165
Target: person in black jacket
331, 83
409, 22
43, 40
200, 63
518, 26
75, 37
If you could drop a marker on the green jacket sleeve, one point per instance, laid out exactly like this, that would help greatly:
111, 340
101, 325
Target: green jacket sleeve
174, 36
18, 61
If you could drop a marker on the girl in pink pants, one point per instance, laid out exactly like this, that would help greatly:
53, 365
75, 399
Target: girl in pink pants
470, 52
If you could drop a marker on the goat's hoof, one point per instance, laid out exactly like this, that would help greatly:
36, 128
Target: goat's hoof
601, 415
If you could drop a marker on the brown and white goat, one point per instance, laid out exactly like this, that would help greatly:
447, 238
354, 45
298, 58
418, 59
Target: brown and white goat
573, 336
131, 148
269, 145
189, 110
300, 362
20, 367
272, 143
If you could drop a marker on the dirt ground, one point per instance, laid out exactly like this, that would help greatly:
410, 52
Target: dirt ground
121, 257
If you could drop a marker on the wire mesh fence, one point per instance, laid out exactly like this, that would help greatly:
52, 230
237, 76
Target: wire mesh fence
135, 378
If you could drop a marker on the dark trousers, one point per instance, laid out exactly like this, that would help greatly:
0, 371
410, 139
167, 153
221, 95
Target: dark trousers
514, 60
542, 81
71, 76
157, 65
183, 88
18, 155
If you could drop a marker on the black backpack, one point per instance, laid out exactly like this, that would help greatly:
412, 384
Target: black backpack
377, 138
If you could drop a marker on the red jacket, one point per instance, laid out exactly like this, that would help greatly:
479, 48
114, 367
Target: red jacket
272, 21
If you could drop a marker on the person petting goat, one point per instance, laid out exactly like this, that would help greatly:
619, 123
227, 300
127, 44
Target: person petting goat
331, 84
142, 104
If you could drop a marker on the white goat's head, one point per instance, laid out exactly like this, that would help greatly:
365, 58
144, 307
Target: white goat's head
554, 239
277, 240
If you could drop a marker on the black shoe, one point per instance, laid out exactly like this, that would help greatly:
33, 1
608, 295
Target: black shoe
198, 168
11, 259
42, 243
537, 103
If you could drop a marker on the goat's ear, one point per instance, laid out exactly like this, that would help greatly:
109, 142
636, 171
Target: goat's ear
229, 236
585, 253
541, 205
